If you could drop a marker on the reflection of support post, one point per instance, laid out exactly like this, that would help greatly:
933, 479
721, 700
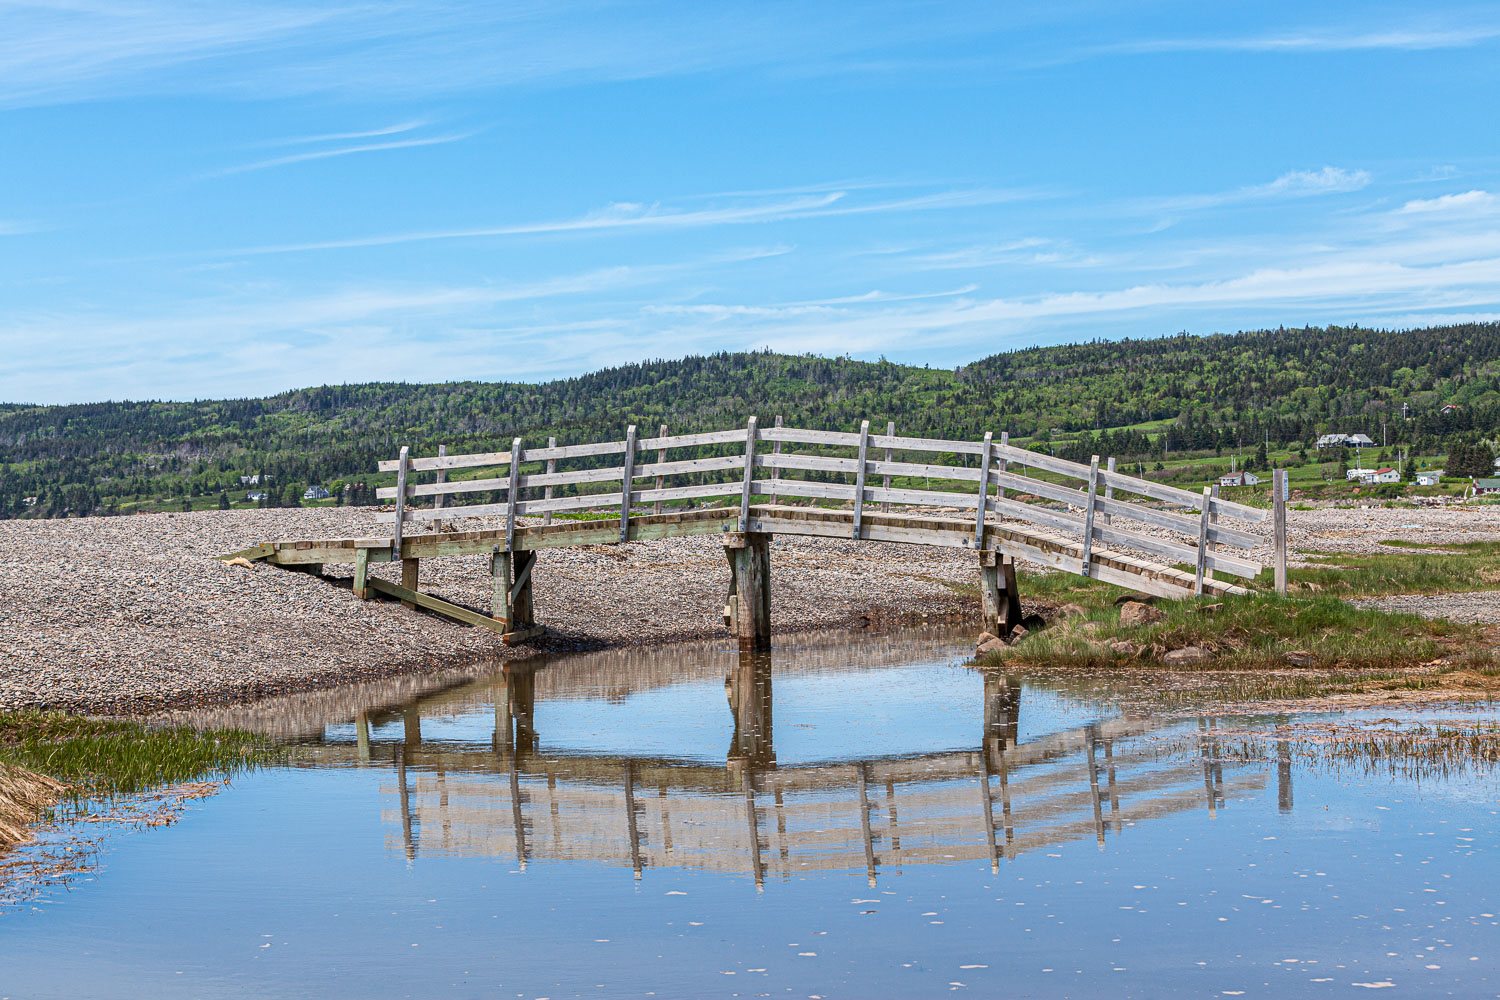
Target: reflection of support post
893, 830
362, 737
666, 813
749, 690
1283, 775
404, 795
503, 729
1208, 771
749, 605
781, 843
1114, 791
411, 722
756, 868
1003, 771
1002, 714
517, 819
987, 803
520, 682
630, 825
998, 594
864, 822
1093, 765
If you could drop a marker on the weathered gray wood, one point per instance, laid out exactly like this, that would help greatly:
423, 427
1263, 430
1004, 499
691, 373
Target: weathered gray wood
551, 470
361, 574
1278, 527
890, 453
511, 497
1109, 490
661, 459
859, 476
410, 578
627, 476
400, 515
749, 472
797, 435
694, 440
1088, 513
576, 477
1213, 520
749, 557
1202, 542
982, 502
499, 585
776, 450
1003, 462
440, 478
416, 598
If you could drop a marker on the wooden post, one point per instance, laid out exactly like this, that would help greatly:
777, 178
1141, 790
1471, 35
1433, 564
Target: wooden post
749, 473
410, 571
1004, 462
1278, 523
1213, 520
1203, 540
551, 468
661, 481
890, 456
442, 477
1088, 514
776, 473
401, 464
627, 478
984, 488
500, 585
750, 558
1001, 605
362, 574
510, 499
1109, 489
859, 477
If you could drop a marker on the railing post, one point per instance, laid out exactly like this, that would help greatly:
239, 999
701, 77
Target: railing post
627, 475
859, 477
661, 481
890, 455
1213, 522
776, 472
1004, 463
442, 477
749, 474
1109, 488
1278, 523
551, 468
984, 488
1088, 516
510, 500
401, 465
1203, 539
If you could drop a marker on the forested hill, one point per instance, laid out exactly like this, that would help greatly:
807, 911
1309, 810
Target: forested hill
1176, 393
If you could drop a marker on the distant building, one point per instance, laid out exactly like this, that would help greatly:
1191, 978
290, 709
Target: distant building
1382, 476
257, 497
253, 480
1450, 408
316, 493
1429, 478
1239, 479
1345, 441
1357, 475
1486, 487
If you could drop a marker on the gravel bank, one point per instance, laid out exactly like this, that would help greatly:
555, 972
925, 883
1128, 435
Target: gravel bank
133, 614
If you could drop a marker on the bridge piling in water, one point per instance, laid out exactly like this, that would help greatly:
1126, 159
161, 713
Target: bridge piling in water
1000, 599
749, 605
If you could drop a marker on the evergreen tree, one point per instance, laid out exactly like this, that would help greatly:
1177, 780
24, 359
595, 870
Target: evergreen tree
224, 500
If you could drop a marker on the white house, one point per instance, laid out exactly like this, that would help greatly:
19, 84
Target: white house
257, 497
1345, 441
1239, 479
1359, 475
319, 493
1429, 478
1383, 476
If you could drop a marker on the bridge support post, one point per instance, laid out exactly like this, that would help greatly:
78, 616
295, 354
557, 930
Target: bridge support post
748, 610
512, 599
997, 590
410, 574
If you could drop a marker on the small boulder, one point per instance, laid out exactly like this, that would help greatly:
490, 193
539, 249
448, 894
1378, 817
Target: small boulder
1072, 611
1187, 656
985, 637
1125, 647
991, 645
1137, 597
1017, 634
1091, 628
1136, 613
1300, 658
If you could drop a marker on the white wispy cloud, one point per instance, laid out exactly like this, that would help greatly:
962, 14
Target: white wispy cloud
324, 154
1313, 41
373, 133
1469, 201
1292, 184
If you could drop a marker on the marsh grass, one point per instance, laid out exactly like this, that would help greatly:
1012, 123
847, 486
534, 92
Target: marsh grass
1415, 568
100, 758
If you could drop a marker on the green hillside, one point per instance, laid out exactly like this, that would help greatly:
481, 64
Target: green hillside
1167, 401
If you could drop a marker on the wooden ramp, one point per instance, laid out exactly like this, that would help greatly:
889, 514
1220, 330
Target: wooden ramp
1111, 527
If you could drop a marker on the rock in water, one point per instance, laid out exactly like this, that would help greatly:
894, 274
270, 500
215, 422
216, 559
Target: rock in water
1187, 656
1125, 647
1018, 633
1300, 658
991, 645
985, 637
1136, 613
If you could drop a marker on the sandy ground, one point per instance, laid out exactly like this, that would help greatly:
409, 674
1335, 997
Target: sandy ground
134, 614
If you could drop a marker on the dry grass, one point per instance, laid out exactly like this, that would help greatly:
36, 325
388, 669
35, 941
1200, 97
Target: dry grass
24, 796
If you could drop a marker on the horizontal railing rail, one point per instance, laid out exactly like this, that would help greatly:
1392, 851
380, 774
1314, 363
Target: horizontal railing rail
762, 463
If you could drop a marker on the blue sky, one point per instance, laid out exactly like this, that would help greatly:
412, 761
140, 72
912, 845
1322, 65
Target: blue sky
203, 200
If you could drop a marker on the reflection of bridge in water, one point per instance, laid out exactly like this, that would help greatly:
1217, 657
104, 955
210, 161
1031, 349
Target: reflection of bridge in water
513, 797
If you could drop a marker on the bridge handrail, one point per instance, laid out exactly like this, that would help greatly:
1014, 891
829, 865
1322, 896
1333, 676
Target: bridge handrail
1100, 506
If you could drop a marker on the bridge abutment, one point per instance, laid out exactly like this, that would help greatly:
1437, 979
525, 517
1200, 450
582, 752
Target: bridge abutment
998, 594
748, 610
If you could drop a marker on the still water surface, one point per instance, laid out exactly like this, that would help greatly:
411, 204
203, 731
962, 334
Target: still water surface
850, 818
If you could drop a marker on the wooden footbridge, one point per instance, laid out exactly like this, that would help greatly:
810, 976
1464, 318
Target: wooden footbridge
1091, 520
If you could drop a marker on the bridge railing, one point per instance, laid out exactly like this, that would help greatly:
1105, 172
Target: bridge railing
762, 463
